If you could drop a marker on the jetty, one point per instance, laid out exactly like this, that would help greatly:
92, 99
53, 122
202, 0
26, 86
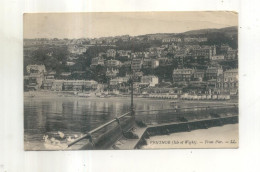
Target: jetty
130, 130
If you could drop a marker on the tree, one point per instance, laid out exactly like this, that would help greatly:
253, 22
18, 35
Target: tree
229, 64
124, 70
219, 38
164, 72
99, 74
54, 58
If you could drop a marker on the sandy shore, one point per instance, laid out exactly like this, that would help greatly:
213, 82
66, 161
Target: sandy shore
63, 94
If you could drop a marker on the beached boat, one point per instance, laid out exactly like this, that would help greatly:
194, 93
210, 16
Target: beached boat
173, 103
83, 94
102, 95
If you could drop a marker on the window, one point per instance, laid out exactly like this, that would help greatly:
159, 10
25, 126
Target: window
225, 85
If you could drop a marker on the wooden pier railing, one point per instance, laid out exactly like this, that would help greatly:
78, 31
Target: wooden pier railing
90, 133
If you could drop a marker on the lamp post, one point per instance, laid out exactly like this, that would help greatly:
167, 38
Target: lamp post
132, 89
132, 94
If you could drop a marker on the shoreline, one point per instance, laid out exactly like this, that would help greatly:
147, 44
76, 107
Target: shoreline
70, 94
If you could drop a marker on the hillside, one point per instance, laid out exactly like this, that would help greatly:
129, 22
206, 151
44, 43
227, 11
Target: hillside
227, 30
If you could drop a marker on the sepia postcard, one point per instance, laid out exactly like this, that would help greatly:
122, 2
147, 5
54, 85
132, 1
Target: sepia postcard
130, 80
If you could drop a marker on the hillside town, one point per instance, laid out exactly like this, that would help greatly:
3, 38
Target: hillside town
176, 66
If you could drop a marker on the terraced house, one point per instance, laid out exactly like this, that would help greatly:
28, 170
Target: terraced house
182, 75
228, 82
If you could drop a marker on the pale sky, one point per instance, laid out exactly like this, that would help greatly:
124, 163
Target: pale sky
94, 25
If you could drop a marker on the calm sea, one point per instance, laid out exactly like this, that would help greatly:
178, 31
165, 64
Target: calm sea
73, 116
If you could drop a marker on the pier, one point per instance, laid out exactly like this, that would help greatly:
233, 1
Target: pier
130, 130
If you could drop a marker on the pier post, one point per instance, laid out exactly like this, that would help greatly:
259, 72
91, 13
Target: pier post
132, 77
118, 122
132, 95
91, 139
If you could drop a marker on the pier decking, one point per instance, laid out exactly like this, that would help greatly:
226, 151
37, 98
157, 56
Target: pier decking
172, 127
125, 144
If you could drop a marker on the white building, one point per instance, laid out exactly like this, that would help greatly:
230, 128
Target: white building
35, 76
150, 79
113, 63
111, 53
35, 69
218, 57
118, 80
